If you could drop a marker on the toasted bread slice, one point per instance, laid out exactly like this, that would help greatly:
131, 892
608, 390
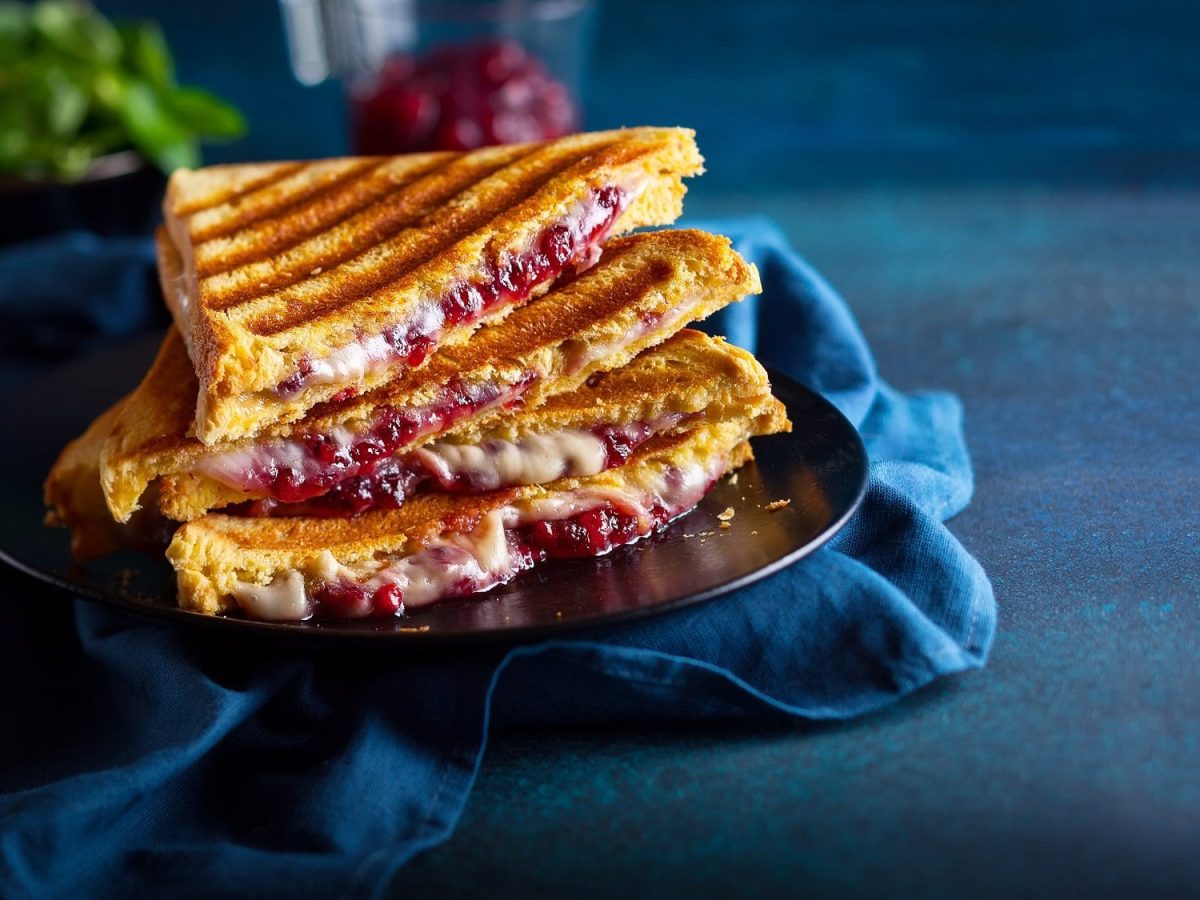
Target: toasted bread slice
644, 290
73, 496
74, 500
291, 282
441, 545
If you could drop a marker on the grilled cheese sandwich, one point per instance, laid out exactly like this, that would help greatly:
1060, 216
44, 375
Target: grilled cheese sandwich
292, 283
396, 380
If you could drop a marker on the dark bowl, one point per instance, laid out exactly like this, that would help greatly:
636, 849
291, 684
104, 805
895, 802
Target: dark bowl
119, 195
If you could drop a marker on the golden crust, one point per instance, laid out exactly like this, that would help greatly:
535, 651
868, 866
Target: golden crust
73, 496
211, 555
215, 185
646, 285
309, 257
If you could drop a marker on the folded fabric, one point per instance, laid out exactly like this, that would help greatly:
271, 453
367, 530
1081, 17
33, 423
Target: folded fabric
171, 764
63, 294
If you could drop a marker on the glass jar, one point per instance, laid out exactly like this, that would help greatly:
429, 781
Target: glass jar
446, 75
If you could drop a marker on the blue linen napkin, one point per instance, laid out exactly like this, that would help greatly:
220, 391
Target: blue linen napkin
151, 760
63, 294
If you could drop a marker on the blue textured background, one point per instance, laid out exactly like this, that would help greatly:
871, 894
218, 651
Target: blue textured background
1007, 195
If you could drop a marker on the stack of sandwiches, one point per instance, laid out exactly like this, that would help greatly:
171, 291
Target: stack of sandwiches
392, 381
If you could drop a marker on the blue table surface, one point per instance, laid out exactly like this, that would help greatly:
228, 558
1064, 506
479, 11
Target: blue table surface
1008, 197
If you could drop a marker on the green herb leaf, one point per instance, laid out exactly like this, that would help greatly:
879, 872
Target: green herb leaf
155, 132
205, 114
16, 27
68, 104
147, 54
108, 89
76, 31
73, 87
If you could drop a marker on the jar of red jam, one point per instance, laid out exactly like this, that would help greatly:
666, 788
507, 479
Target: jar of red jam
446, 75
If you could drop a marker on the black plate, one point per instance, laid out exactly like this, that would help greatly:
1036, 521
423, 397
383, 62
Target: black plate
821, 467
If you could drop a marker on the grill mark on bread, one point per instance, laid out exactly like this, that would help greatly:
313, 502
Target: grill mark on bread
431, 197
269, 237
288, 314
628, 291
229, 193
246, 212
393, 213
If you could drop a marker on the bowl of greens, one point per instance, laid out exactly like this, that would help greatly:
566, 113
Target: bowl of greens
91, 117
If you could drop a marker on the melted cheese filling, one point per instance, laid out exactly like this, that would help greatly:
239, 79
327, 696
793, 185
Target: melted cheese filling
283, 600
489, 466
532, 459
352, 363
462, 563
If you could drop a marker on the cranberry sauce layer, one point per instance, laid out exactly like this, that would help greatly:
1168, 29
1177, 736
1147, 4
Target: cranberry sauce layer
448, 570
296, 469
570, 244
472, 469
581, 523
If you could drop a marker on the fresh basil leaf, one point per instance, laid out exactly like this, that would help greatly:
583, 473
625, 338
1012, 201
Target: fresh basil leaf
16, 27
74, 87
67, 106
155, 132
205, 114
58, 21
108, 90
76, 30
147, 53
18, 116
14, 147
44, 158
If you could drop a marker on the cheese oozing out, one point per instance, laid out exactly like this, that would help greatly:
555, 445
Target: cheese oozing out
535, 458
353, 362
586, 521
532, 459
298, 468
283, 600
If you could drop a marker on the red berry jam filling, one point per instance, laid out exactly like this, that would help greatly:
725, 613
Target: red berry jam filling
296, 469
573, 243
585, 522
594, 532
394, 479
620, 442
459, 97
348, 600
591, 533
